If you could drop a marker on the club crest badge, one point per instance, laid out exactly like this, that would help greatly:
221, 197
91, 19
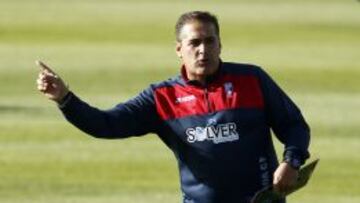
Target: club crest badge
229, 89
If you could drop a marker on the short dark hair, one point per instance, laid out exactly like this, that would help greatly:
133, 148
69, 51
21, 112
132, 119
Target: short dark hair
202, 16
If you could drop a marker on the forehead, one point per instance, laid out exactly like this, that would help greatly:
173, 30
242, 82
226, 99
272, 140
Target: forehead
197, 29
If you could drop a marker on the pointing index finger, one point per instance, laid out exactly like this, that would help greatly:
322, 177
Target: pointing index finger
44, 66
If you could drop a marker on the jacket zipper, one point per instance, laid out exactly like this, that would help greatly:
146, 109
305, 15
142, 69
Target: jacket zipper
207, 101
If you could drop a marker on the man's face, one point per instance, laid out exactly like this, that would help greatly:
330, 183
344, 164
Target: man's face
199, 49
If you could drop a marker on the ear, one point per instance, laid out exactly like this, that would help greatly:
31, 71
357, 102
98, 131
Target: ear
220, 46
178, 49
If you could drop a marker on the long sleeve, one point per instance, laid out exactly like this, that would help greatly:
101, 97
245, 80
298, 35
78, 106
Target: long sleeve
135, 117
286, 121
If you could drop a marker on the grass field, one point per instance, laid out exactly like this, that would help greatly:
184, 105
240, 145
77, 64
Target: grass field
109, 50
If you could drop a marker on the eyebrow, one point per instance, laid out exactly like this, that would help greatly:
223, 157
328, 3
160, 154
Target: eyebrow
206, 38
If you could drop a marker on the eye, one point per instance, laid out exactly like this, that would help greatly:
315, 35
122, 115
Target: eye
210, 40
195, 42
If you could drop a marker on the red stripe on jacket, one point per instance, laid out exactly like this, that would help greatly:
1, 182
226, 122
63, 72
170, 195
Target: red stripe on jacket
227, 92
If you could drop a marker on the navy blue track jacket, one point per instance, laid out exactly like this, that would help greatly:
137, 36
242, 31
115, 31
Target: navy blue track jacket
219, 132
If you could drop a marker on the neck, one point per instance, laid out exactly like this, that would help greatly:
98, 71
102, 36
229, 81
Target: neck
203, 79
199, 78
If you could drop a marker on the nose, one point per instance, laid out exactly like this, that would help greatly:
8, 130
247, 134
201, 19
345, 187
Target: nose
202, 48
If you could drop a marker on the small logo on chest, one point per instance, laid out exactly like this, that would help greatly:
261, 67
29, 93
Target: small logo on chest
229, 89
185, 99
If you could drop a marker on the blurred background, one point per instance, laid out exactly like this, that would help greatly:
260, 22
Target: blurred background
109, 50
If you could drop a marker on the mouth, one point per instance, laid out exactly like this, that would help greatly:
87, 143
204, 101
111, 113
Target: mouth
203, 62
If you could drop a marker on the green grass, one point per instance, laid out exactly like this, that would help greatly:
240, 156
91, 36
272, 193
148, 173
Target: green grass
110, 50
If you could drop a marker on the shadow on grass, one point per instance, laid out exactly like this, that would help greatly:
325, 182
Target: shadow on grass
20, 109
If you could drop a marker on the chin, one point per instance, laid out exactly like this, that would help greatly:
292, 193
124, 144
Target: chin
205, 70
202, 71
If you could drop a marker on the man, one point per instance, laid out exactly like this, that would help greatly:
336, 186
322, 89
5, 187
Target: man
215, 117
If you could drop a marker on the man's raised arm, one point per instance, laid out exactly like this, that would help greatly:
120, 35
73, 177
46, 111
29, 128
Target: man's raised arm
133, 118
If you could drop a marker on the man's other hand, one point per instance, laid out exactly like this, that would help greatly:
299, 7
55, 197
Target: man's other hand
284, 178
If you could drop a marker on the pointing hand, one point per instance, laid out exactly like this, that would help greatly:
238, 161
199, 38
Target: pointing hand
50, 84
